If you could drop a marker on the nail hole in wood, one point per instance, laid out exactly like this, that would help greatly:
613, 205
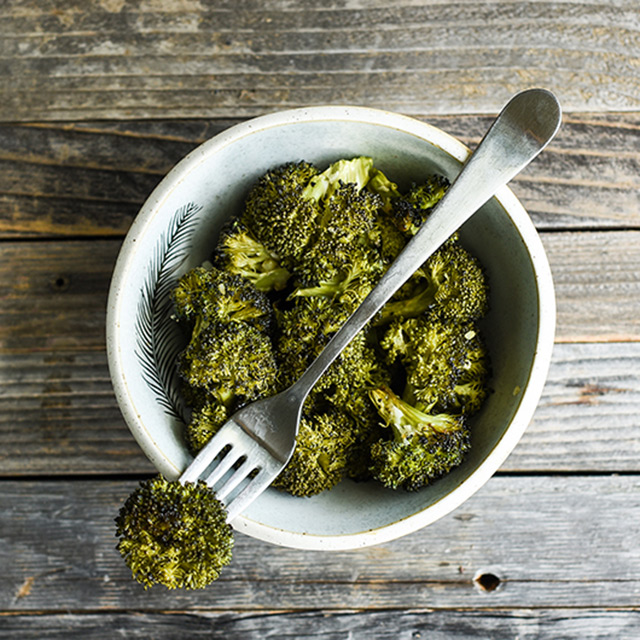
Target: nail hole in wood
487, 581
60, 283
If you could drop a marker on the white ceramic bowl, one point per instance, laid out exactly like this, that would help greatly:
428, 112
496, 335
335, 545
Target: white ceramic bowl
176, 230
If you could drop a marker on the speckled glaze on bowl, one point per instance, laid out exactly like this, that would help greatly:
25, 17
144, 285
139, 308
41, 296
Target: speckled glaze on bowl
176, 229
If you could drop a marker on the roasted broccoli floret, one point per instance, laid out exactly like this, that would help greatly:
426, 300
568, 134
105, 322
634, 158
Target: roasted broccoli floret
423, 446
233, 362
379, 183
303, 330
341, 260
346, 212
356, 370
205, 422
345, 385
280, 211
229, 359
356, 171
173, 534
239, 252
207, 295
320, 457
445, 364
451, 283
412, 209
386, 240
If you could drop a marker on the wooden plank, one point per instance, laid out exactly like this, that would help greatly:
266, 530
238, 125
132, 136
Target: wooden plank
597, 285
587, 418
58, 414
54, 293
90, 179
523, 624
555, 541
586, 178
185, 59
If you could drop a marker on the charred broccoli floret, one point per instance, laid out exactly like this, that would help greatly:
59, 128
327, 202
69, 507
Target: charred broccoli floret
205, 422
451, 283
445, 364
233, 362
344, 387
239, 252
356, 171
229, 359
173, 534
411, 209
422, 448
320, 458
303, 330
281, 213
341, 260
207, 295
357, 367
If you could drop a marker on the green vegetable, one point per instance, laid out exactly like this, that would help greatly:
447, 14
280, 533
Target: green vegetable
286, 272
240, 253
321, 455
208, 295
233, 362
229, 359
423, 446
315, 243
207, 416
412, 209
173, 534
445, 364
280, 214
451, 284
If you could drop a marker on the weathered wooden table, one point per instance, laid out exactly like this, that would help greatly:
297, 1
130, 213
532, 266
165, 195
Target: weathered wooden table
99, 99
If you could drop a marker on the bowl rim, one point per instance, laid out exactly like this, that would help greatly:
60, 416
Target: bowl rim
531, 389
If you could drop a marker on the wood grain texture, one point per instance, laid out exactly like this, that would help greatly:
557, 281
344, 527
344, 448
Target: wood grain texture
54, 293
549, 541
523, 624
587, 417
100, 98
73, 60
58, 415
597, 285
88, 179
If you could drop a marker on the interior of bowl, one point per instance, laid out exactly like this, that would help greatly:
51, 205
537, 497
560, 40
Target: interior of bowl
213, 182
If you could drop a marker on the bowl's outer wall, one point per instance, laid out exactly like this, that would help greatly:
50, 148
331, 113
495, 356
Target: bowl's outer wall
519, 328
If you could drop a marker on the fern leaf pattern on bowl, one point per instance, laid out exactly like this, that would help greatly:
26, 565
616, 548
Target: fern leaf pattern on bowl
159, 339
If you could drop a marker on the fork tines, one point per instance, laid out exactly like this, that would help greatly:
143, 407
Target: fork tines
223, 465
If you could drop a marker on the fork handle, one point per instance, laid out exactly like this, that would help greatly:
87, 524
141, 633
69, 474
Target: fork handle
520, 132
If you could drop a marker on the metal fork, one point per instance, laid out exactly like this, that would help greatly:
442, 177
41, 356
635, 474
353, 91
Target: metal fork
251, 449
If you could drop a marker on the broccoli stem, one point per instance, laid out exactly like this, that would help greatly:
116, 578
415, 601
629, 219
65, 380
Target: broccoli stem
407, 420
274, 280
408, 308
